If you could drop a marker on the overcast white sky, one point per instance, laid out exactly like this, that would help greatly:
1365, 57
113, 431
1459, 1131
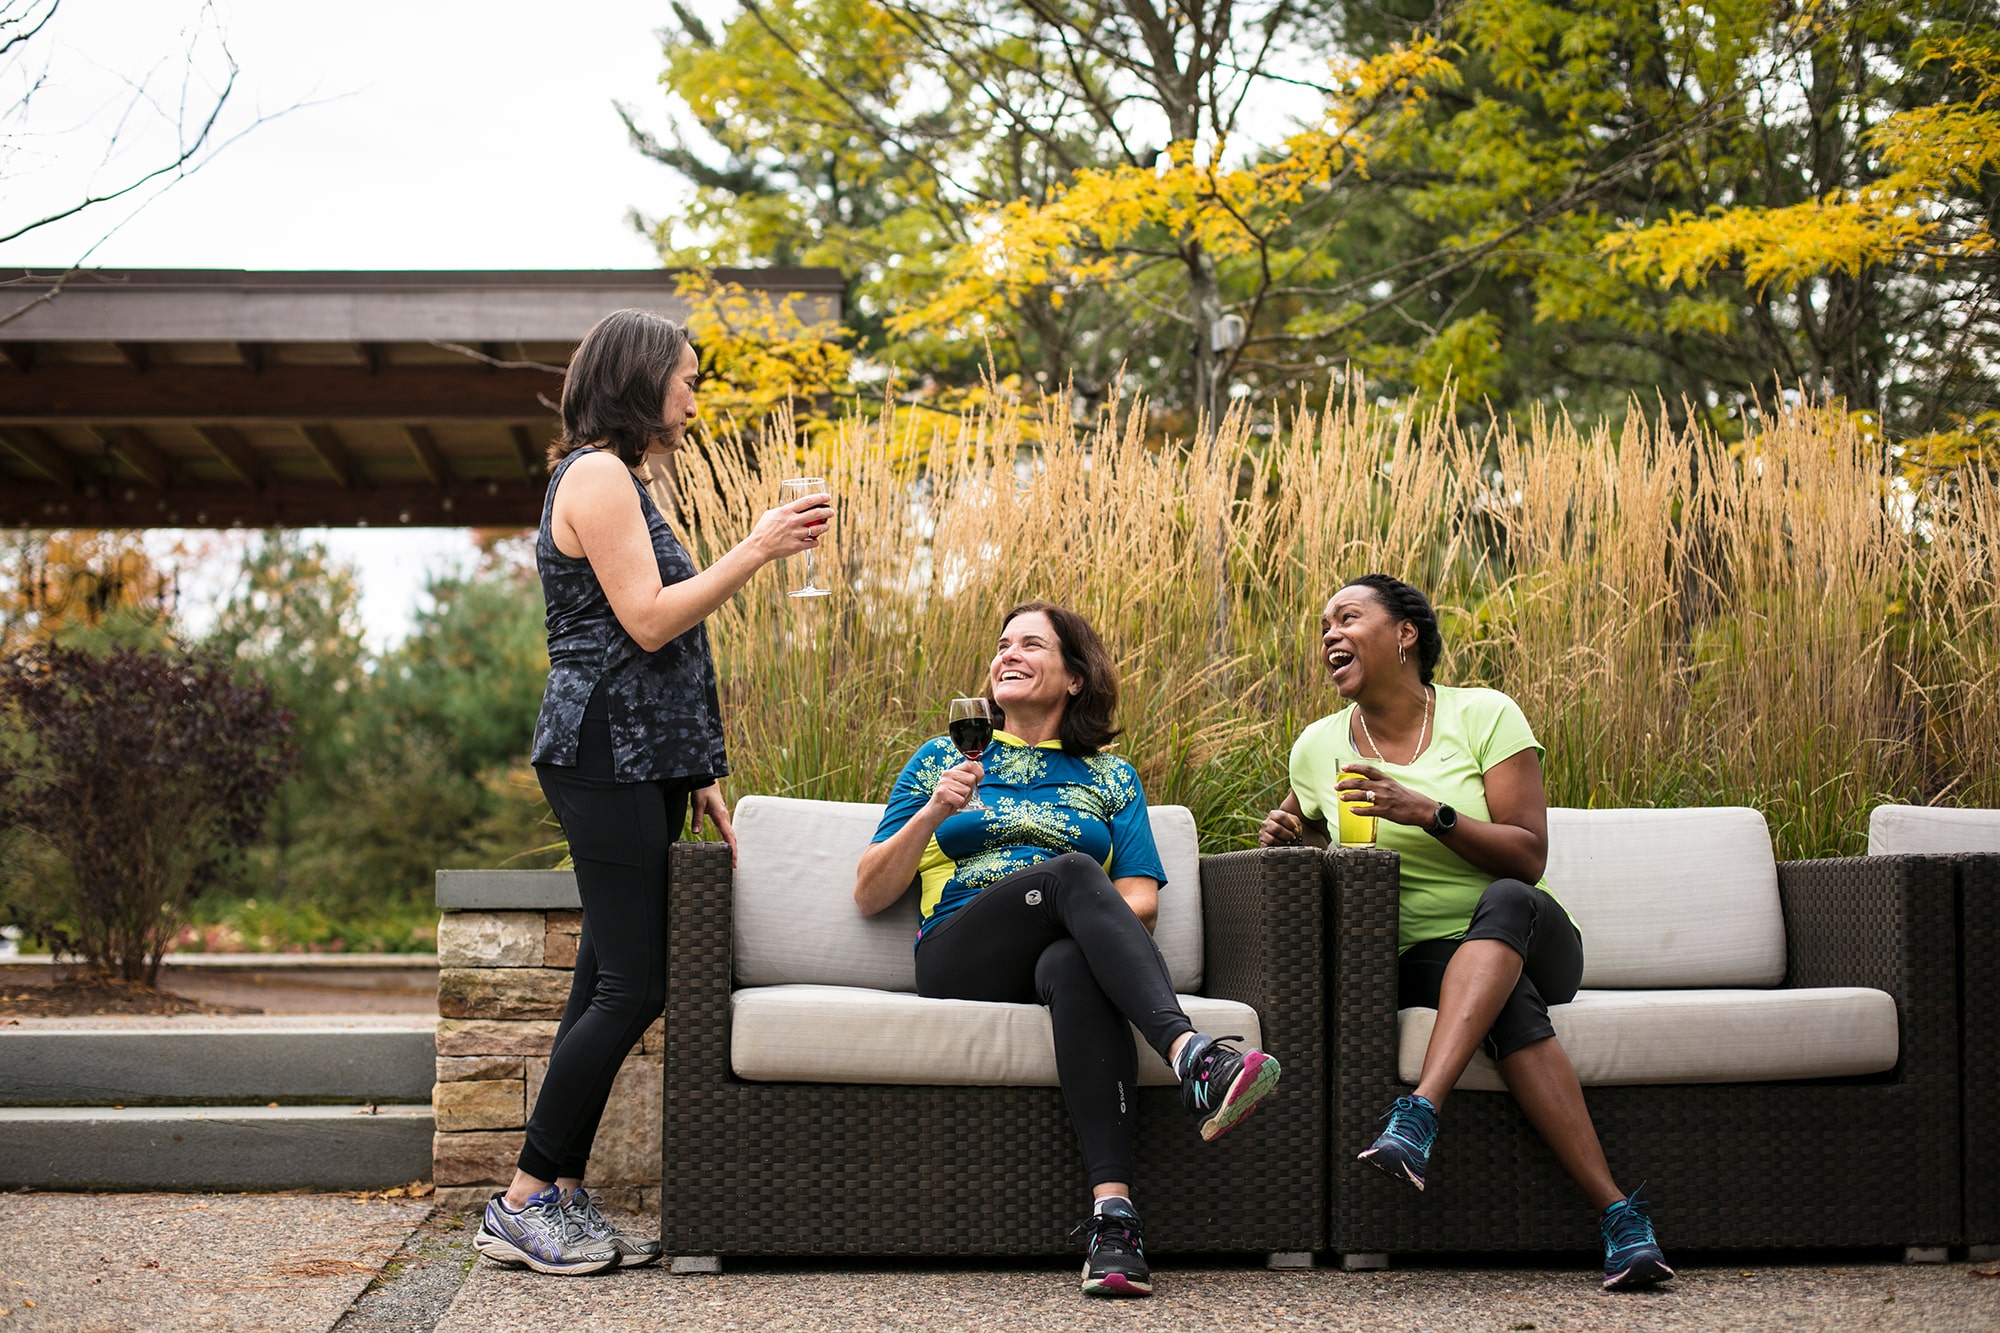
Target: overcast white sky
435, 134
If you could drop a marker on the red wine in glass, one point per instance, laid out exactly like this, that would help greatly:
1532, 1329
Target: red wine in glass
971, 727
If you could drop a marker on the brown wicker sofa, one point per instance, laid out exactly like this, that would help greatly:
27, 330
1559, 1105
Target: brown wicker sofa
1866, 1159
1979, 1017
770, 1165
1971, 839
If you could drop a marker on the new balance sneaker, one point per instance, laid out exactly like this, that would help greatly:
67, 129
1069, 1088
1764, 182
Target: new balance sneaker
1115, 1256
542, 1236
1403, 1149
632, 1251
1221, 1084
1632, 1256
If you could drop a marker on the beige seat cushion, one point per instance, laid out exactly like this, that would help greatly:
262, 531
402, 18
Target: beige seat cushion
794, 916
1696, 1036
842, 1034
1670, 897
1900, 829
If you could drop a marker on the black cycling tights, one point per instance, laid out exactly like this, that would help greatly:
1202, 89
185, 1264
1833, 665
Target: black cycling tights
1058, 933
619, 836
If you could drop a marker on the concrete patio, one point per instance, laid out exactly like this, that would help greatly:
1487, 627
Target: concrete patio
319, 1262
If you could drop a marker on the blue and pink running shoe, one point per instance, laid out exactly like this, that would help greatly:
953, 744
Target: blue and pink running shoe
1114, 1261
1221, 1084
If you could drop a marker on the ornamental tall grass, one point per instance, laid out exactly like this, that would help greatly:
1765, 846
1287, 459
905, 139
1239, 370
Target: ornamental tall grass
1775, 623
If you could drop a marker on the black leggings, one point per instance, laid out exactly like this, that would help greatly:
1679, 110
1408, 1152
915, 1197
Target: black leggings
619, 836
1057, 933
1531, 923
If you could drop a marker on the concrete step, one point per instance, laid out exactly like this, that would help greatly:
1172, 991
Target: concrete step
215, 1061
214, 1147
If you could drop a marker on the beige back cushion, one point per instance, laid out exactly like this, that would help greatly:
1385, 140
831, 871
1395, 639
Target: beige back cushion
796, 923
1899, 829
1670, 898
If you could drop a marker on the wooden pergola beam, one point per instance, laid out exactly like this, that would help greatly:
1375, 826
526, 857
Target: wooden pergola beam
144, 457
280, 394
251, 355
424, 445
332, 454
228, 444
533, 460
136, 355
43, 453
486, 504
19, 356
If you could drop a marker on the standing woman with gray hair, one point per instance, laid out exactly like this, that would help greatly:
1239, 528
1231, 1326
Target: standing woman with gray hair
628, 742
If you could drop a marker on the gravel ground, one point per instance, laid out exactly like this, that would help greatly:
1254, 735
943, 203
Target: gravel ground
167, 1262
1202, 1296
170, 1262
417, 1286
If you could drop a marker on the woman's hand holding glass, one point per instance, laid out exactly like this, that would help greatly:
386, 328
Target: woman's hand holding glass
1367, 790
956, 787
794, 526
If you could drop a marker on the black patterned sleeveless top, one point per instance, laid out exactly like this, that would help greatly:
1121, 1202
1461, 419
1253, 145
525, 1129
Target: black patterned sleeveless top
665, 718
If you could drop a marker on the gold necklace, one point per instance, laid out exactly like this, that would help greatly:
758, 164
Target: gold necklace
1380, 758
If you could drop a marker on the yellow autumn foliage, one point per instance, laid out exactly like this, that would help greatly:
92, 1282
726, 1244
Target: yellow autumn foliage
1081, 236
1928, 152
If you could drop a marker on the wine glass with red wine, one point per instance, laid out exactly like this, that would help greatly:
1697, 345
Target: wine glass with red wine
972, 731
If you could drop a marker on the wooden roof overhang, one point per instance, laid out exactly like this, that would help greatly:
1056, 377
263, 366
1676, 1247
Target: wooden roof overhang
223, 398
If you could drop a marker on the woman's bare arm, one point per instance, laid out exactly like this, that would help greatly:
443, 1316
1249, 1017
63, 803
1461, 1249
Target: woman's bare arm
597, 508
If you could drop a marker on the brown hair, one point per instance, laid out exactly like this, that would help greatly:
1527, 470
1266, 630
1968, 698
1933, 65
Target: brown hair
1086, 724
614, 394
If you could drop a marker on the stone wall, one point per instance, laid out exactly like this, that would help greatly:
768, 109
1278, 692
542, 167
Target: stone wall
503, 978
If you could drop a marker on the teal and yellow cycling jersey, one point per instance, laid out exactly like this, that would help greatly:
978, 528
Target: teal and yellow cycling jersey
1040, 803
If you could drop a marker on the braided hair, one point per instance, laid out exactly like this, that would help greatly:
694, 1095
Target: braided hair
1404, 602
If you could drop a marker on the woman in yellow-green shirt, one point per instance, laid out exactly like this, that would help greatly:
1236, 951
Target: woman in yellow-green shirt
1454, 779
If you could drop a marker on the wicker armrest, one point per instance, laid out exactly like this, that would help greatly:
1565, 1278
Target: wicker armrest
1262, 915
699, 964
1887, 922
1362, 952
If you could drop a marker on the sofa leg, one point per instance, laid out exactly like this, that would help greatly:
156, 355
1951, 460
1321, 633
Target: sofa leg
1361, 1263
1926, 1254
683, 1264
1981, 1254
1289, 1259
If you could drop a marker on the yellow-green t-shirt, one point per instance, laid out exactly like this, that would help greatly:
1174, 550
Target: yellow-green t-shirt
1471, 731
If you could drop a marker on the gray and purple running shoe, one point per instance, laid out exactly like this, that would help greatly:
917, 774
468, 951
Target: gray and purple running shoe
542, 1236
632, 1252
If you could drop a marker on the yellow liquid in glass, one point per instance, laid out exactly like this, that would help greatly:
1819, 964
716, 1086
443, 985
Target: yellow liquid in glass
1356, 829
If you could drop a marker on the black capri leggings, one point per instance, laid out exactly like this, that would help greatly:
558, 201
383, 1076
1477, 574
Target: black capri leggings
1058, 934
619, 836
1531, 923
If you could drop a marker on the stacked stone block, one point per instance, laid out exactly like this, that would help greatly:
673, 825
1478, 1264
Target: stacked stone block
503, 978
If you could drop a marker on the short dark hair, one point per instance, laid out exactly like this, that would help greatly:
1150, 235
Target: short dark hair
614, 394
1086, 724
1405, 602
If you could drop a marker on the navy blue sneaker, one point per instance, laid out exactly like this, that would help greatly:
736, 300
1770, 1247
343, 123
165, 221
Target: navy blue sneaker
1632, 1257
1115, 1258
1404, 1147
